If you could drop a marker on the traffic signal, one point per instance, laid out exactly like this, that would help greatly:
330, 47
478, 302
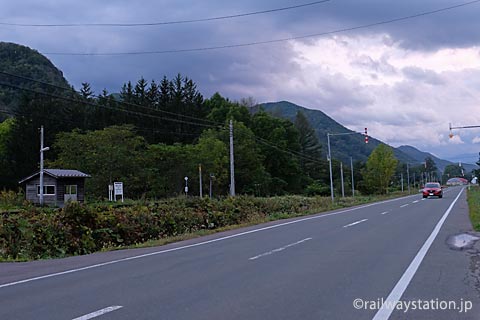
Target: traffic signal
366, 136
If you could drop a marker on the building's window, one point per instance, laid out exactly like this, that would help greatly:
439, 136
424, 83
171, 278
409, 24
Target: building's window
71, 189
47, 190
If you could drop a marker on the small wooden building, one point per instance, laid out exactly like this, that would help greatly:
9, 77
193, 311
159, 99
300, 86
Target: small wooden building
59, 186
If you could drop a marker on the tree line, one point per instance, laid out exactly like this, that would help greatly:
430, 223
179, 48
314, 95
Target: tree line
151, 135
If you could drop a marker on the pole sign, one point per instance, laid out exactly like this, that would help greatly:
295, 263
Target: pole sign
118, 189
110, 192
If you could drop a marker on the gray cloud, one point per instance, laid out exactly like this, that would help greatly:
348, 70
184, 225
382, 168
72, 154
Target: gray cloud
427, 76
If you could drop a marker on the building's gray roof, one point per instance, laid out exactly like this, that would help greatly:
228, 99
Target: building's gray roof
63, 173
59, 173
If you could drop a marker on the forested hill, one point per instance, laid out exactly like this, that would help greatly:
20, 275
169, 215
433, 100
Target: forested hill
23, 61
343, 147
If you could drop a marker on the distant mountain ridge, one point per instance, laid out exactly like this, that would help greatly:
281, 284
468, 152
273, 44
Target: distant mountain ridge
346, 146
441, 164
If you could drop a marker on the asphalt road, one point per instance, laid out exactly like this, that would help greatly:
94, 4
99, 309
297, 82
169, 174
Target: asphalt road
308, 268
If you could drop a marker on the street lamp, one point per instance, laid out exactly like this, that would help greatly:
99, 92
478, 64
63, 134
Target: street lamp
464, 127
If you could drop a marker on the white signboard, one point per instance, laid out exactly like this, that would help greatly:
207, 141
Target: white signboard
118, 189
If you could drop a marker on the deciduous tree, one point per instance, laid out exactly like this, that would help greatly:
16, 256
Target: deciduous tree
379, 169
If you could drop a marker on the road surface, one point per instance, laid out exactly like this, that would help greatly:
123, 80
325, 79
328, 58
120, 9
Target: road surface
312, 267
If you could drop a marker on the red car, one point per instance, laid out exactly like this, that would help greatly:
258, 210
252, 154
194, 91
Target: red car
432, 189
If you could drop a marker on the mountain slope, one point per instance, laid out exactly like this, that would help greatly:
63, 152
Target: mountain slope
441, 164
23, 61
343, 146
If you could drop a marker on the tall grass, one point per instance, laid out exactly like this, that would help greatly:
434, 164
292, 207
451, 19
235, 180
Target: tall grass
473, 198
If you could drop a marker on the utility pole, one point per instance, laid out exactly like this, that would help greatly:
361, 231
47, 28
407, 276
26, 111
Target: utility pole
353, 184
408, 178
200, 179
401, 179
341, 177
330, 166
232, 167
329, 156
210, 189
42, 150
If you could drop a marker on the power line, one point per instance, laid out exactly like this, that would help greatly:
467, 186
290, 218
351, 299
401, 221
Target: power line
71, 90
106, 107
154, 130
281, 149
314, 35
218, 126
288, 151
161, 23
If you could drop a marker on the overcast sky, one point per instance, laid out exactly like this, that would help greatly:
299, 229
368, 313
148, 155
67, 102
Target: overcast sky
405, 81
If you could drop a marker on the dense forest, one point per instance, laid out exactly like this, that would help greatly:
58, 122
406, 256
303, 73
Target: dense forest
151, 134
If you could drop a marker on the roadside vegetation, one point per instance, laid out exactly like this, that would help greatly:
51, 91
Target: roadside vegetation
473, 195
29, 233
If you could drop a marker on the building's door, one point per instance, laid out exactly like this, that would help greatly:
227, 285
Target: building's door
70, 193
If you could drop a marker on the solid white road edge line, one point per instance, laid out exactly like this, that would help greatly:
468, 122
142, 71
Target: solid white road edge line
279, 249
98, 313
354, 223
56, 274
402, 284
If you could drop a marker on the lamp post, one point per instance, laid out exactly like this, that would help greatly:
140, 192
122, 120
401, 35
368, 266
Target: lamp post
464, 127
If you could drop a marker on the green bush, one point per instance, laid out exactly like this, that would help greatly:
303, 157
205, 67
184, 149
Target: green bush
10, 199
38, 233
317, 189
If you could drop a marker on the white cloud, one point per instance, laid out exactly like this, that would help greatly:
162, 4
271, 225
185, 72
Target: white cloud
404, 96
456, 139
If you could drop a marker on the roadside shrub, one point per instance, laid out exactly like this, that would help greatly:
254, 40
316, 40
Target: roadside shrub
317, 189
39, 233
11, 199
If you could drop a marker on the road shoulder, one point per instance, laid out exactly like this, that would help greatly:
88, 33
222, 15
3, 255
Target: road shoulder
447, 274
